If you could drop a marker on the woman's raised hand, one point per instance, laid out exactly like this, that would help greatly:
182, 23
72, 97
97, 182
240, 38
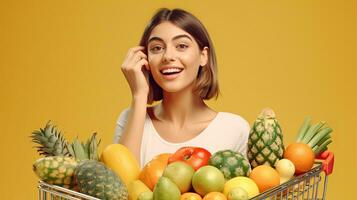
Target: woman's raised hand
136, 71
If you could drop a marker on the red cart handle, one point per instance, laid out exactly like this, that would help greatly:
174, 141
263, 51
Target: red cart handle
328, 159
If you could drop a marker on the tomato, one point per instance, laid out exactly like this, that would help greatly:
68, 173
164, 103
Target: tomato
194, 156
153, 170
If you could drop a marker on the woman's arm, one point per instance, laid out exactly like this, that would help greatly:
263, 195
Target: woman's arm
135, 68
134, 128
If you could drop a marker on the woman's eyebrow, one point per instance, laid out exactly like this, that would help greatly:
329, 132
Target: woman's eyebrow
174, 38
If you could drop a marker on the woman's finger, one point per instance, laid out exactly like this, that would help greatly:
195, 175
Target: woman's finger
133, 50
138, 56
142, 63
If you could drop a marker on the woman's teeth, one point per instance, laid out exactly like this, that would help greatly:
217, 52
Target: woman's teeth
171, 71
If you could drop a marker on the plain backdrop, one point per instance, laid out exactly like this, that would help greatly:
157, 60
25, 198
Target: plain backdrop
60, 61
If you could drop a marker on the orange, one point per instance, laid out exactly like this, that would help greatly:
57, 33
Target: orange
190, 196
265, 177
215, 196
164, 157
153, 170
301, 155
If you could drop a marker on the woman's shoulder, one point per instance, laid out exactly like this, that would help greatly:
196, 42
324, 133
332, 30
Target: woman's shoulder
125, 113
233, 119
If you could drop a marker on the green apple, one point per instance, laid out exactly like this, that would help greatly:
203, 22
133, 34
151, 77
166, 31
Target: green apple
181, 174
208, 179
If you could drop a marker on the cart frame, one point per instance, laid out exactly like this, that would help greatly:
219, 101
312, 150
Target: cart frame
303, 187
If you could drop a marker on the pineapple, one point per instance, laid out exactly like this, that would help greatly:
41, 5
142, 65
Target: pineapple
51, 142
95, 179
265, 143
56, 170
61, 158
230, 163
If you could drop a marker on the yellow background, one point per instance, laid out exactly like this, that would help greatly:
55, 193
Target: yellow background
60, 61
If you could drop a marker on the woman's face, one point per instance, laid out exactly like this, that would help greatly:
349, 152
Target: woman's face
174, 57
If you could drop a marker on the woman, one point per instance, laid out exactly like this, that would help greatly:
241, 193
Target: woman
175, 64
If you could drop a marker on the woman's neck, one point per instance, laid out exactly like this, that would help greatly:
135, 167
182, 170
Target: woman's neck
180, 108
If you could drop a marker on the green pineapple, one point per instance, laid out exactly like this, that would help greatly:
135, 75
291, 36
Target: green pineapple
56, 170
51, 142
230, 163
95, 179
265, 143
57, 167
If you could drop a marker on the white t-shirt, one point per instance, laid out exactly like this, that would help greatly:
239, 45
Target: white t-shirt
225, 131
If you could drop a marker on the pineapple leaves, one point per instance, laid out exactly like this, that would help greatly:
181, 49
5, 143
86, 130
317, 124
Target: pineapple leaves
52, 143
50, 140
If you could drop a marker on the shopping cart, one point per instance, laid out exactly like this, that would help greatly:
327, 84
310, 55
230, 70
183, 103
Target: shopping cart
303, 187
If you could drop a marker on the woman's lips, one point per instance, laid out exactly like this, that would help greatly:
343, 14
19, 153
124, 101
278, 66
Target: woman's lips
170, 72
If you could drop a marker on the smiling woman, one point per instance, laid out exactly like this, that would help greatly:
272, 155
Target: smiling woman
175, 65
168, 43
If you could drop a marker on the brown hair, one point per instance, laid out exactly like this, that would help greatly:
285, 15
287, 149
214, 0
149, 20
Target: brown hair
207, 79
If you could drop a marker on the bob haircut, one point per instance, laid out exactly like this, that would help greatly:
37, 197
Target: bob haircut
206, 85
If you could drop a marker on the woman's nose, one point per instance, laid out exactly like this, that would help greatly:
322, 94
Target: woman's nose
169, 55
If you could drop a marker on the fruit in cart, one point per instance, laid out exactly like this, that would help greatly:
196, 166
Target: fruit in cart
208, 179
301, 155
240, 181
153, 170
148, 195
285, 169
237, 193
119, 159
230, 163
84, 151
190, 196
135, 188
194, 156
215, 196
163, 157
97, 180
265, 143
57, 170
181, 174
317, 136
51, 141
265, 177
165, 189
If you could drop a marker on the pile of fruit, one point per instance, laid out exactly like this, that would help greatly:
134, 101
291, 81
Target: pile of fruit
190, 173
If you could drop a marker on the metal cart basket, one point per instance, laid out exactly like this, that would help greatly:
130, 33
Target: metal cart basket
306, 186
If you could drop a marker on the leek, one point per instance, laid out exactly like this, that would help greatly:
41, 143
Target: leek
320, 135
303, 129
312, 132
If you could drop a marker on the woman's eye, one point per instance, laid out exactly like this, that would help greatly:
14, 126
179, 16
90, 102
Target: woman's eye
156, 49
182, 46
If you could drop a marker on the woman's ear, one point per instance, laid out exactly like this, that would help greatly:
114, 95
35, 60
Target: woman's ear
204, 56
